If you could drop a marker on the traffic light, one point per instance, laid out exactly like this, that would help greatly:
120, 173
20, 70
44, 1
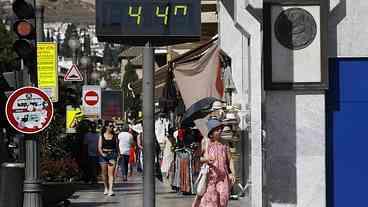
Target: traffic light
25, 45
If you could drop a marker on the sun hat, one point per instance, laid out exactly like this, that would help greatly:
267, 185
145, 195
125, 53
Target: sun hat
213, 124
217, 105
137, 128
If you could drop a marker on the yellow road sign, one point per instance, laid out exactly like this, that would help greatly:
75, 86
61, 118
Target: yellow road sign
47, 69
73, 116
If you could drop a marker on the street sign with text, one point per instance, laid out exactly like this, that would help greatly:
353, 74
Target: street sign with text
47, 71
29, 110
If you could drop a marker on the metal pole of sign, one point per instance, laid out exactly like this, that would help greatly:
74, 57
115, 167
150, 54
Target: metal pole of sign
32, 182
148, 129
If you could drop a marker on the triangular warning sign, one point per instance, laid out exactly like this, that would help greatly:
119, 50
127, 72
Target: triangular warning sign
73, 74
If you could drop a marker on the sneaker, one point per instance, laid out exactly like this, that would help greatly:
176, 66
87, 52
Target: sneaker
111, 193
106, 192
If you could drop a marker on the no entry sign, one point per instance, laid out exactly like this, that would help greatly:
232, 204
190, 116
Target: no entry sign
29, 110
91, 98
91, 101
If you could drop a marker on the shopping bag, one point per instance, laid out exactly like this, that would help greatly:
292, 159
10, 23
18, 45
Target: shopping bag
201, 181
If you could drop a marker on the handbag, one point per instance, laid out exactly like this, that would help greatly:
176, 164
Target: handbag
201, 181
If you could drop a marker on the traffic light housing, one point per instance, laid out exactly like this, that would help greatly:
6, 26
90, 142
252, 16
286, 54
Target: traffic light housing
24, 27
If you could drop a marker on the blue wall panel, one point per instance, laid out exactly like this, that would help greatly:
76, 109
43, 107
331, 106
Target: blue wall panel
347, 137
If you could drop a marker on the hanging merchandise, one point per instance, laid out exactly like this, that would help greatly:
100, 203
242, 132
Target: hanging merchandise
185, 167
169, 99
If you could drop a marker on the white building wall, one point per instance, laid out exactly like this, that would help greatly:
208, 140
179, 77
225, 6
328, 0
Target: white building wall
295, 146
347, 29
235, 45
295, 122
240, 38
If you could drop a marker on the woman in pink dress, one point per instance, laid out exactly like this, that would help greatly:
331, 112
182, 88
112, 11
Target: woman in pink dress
221, 172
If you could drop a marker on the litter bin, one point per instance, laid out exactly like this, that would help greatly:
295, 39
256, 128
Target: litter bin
11, 184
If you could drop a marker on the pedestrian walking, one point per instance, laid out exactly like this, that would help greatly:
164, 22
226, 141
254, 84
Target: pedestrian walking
107, 147
125, 140
139, 149
168, 154
91, 143
136, 131
221, 169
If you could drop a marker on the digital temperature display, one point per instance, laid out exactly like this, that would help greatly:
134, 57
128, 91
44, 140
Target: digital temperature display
134, 22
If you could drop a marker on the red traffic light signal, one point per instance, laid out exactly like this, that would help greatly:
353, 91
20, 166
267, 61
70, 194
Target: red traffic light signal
24, 29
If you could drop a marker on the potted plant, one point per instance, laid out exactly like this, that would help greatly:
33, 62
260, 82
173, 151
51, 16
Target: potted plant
59, 176
58, 165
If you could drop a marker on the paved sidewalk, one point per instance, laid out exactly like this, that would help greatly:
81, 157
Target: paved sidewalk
130, 195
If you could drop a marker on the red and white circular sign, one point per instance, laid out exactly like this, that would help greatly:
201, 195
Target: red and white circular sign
29, 110
91, 98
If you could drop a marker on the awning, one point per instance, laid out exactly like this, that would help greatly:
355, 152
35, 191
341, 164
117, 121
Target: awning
161, 74
197, 75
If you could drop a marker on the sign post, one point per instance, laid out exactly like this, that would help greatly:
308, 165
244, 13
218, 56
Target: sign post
29, 110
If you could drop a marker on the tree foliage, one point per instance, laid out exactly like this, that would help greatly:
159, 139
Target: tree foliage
107, 55
65, 49
87, 45
7, 54
131, 104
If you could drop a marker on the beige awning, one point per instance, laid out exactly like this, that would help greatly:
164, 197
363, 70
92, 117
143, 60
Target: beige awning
161, 74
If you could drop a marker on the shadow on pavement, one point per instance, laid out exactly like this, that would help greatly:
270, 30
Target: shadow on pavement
93, 204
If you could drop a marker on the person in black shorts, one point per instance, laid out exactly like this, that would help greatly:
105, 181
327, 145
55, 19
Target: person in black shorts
107, 147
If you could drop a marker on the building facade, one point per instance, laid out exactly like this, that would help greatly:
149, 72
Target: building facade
286, 141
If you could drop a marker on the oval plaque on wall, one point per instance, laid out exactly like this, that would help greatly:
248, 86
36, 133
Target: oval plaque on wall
295, 28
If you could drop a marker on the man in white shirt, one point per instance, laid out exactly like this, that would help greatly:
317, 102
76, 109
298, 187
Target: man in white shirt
125, 142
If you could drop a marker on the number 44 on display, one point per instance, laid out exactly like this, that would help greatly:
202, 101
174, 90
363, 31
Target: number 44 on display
160, 12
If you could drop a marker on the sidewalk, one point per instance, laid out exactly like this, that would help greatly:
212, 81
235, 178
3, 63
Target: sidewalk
130, 194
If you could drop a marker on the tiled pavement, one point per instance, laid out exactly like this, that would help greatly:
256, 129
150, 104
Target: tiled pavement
130, 194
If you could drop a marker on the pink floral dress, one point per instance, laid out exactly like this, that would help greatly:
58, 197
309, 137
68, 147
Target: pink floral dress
218, 187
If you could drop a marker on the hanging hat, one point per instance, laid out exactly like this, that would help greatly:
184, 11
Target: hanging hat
213, 124
217, 105
137, 128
